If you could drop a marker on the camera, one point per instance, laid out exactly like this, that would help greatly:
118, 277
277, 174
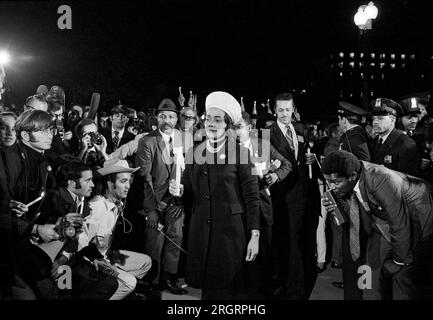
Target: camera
138, 125
95, 138
66, 230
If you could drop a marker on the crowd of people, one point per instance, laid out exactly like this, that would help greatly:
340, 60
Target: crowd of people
235, 203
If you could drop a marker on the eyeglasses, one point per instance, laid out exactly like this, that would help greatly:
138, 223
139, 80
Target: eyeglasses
187, 118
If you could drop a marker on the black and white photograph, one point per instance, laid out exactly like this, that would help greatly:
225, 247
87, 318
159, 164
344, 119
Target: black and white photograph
214, 157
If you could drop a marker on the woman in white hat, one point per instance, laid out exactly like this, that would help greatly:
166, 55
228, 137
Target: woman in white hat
224, 228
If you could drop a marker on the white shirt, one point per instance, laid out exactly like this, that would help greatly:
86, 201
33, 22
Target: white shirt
101, 222
167, 137
284, 128
120, 133
385, 136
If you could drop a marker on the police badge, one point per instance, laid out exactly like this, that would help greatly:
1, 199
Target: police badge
387, 159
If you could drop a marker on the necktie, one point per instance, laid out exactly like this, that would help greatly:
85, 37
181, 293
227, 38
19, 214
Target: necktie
289, 138
116, 140
354, 227
409, 133
170, 146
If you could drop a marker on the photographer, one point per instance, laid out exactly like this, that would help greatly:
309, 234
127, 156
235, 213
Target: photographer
92, 149
64, 208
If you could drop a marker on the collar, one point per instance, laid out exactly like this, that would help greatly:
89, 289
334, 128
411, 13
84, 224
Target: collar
112, 205
120, 132
167, 137
33, 152
74, 197
385, 136
283, 126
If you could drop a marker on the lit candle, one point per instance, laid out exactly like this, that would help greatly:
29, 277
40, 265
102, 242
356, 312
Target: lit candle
37, 199
178, 156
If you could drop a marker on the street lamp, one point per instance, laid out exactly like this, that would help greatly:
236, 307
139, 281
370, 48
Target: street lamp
364, 21
365, 15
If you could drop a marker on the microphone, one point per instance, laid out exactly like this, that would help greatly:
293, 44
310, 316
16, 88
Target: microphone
94, 104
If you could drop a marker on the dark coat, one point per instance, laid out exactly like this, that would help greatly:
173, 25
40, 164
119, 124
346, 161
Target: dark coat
281, 172
398, 152
6, 243
400, 207
127, 136
356, 141
226, 206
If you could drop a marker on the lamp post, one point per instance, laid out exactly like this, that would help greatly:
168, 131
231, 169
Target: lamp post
364, 21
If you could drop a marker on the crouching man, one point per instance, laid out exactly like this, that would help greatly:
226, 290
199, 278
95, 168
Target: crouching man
396, 211
106, 209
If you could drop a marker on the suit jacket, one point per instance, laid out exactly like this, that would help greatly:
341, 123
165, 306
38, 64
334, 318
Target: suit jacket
265, 201
297, 178
400, 207
356, 141
398, 152
156, 169
127, 136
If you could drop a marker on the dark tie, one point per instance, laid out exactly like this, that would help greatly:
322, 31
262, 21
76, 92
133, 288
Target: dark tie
409, 133
170, 146
354, 227
289, 137
116, 140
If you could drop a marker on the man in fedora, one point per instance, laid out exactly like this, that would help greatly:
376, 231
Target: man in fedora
162, 211
105, 211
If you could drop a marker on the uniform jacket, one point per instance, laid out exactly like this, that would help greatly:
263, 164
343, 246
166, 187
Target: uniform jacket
356, 141
400, 207
398, 152
225, 206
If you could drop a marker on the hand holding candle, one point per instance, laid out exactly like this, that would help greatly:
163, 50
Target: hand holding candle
37, 199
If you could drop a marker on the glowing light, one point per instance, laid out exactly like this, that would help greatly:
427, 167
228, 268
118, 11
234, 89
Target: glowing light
4, 57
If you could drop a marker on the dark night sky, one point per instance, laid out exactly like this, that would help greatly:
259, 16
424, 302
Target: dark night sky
140, 52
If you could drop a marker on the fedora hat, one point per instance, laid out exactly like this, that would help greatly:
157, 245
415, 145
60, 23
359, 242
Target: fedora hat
167, 105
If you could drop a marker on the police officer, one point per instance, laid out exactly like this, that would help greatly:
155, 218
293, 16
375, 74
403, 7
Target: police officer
409, 123
355, 139
391, 147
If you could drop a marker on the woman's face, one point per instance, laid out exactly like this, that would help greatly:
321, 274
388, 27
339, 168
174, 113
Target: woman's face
7, 131
215, 124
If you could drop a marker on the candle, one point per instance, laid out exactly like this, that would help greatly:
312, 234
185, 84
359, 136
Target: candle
310, 168
37, 199
178, 156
